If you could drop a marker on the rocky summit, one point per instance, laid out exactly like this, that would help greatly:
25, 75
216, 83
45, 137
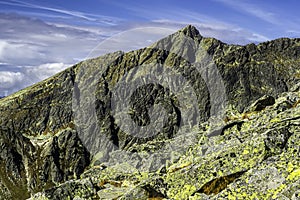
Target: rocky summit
188, 117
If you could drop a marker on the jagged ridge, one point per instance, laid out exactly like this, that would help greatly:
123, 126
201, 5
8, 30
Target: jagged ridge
40, 118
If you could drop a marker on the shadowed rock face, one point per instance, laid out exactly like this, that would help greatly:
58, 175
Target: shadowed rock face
48, 135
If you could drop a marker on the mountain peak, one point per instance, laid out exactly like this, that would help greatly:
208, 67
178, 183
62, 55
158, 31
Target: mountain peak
138, 111
190, 31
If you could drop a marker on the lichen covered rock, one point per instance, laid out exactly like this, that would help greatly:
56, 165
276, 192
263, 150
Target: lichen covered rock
62, 138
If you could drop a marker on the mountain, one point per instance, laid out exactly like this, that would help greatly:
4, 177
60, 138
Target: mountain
187, 117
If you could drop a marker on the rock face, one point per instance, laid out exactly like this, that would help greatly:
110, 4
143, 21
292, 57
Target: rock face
188, 117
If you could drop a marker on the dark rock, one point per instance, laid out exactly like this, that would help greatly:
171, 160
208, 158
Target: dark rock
261, 103
215, 186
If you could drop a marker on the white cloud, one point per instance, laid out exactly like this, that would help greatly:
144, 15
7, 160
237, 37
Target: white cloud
41, 72
18, 53
13, 81
10, 79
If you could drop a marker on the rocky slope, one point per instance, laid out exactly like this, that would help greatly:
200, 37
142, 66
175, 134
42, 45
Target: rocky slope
229, 126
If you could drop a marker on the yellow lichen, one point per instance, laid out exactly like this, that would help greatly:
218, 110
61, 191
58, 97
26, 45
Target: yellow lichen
246, 151
275, 120
294, 175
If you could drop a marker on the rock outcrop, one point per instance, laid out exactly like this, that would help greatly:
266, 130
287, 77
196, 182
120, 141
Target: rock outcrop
187, 117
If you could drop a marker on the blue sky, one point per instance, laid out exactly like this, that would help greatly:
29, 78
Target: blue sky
39, 38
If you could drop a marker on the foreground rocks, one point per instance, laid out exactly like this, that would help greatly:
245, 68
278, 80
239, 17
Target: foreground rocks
68, 137
255, 156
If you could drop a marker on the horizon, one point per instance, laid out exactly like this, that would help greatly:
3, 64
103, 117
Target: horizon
41, 38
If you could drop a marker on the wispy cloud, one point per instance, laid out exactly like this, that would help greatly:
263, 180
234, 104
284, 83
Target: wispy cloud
209, 26
29, 5
175, 14
81, 15
251, 9
24, 40
280, 20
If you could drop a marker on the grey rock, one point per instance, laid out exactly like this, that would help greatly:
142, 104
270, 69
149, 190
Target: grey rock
238, 112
